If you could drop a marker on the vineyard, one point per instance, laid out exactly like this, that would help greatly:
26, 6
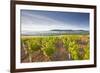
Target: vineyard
54, 48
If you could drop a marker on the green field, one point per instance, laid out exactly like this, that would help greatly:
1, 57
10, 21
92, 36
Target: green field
54, 48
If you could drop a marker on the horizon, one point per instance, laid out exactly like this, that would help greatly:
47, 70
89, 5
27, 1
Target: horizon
55, 30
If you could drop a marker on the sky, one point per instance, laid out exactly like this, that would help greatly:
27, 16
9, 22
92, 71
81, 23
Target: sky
35, 20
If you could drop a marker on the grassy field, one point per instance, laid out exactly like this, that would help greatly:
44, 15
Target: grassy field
54, 48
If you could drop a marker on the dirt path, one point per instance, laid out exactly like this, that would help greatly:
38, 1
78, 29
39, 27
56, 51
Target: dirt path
61, 52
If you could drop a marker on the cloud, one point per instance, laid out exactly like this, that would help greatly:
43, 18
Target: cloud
34, 22
33, 19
